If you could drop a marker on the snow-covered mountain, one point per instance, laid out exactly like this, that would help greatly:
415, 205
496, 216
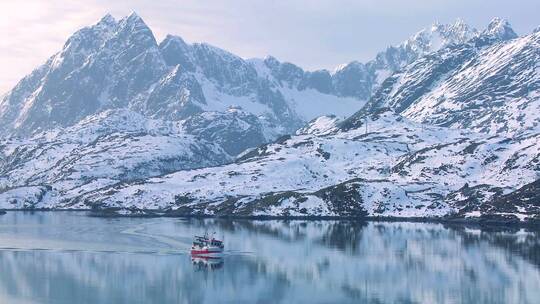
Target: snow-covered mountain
489, 84
118, 64
116, 121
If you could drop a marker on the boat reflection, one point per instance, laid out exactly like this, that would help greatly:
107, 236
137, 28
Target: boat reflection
207, 263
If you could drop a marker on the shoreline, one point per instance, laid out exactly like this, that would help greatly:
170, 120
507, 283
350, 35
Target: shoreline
478, 222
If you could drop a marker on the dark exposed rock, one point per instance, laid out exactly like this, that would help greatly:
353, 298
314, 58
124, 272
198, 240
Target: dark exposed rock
235, 131
525, 200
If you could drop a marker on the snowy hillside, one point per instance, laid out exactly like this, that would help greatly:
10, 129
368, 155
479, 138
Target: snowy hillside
101, 150
398, 168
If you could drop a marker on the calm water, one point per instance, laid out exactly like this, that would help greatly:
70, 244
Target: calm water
72, 258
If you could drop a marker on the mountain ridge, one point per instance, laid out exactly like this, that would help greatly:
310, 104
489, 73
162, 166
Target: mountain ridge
130, 39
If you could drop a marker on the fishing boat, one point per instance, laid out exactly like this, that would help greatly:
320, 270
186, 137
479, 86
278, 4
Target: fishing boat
207, 246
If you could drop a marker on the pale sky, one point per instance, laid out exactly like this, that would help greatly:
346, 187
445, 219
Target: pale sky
310, 33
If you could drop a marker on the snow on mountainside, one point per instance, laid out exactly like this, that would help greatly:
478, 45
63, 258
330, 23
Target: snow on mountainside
101, 150
490, 84
397, 168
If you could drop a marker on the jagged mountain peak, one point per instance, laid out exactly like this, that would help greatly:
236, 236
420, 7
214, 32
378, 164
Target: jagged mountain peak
134, 18
176, 51
134, 23
206, 47
351, 65
217, 51
133, 30
270, 60
133, 39
90, 37
175, 48
458, 23
500, 28
438, 36
173, 39
459, 31
274, 63
108, 19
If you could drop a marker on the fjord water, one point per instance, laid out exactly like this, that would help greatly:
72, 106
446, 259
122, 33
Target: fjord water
69, 257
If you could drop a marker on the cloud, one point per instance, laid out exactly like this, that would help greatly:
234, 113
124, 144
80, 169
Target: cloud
33, 30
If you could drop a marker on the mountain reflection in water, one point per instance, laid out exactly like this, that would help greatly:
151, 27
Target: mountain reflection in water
68, 257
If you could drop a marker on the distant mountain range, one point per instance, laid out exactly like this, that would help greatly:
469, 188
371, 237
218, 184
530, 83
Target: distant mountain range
118, 64
445, 124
